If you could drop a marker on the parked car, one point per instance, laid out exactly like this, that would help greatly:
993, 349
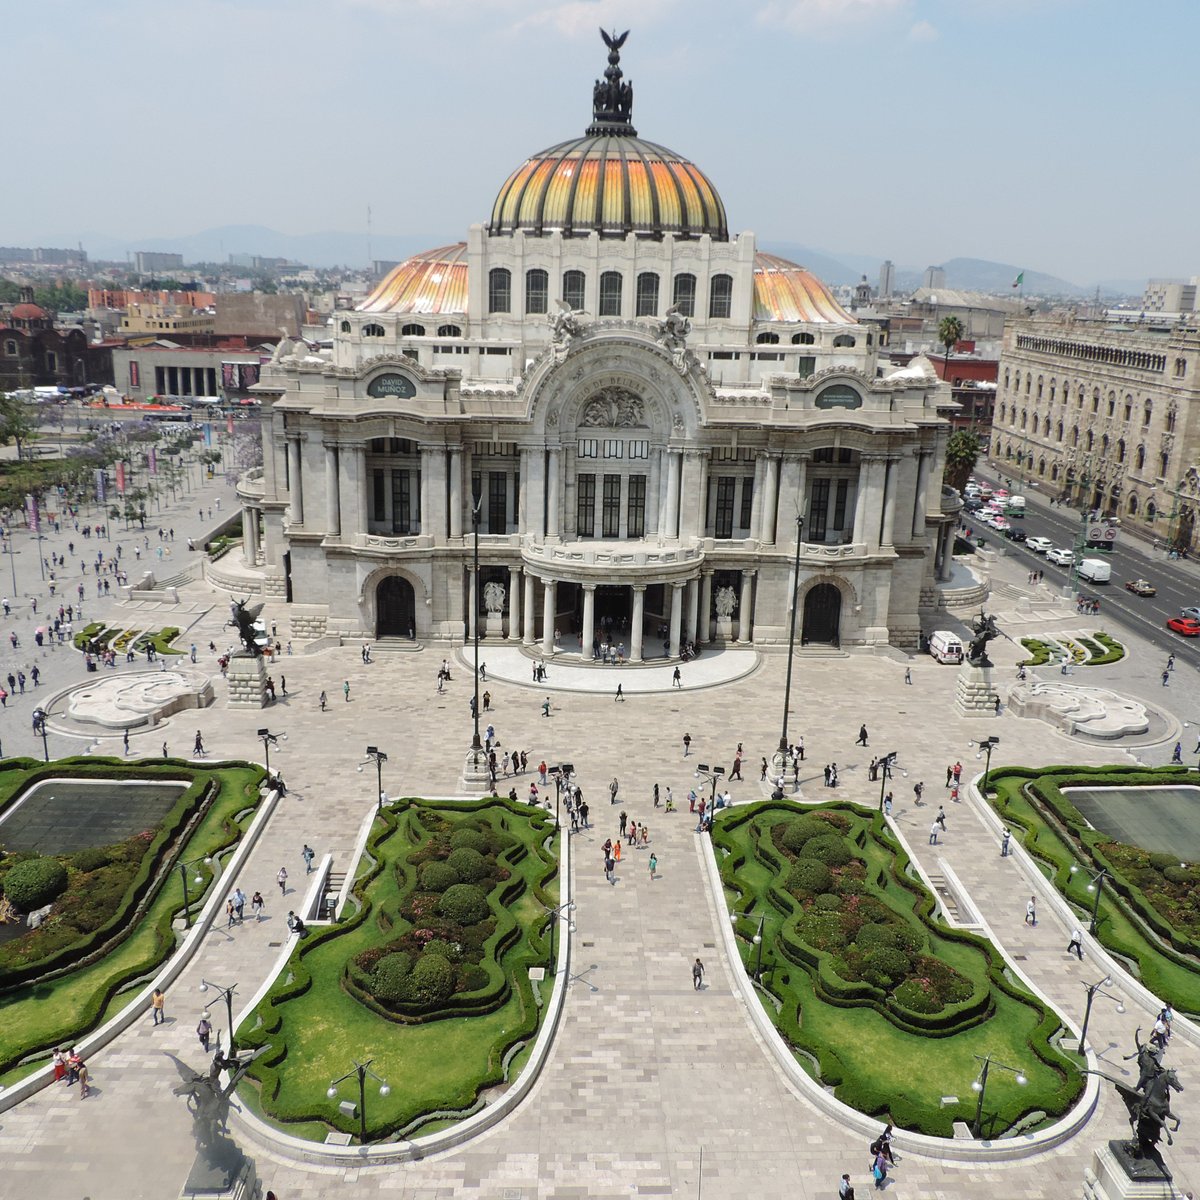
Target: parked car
1139, 587
999, 524
1193, 613
1186, 626
1039, 545
1014, 534
1060, 556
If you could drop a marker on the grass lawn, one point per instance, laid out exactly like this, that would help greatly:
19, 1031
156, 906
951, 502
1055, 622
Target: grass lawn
37, 1017
879, 1056
118, 639
1167, 972
436, 1064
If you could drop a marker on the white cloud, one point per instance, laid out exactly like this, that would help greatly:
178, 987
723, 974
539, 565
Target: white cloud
827, 17
922, 31
581, 18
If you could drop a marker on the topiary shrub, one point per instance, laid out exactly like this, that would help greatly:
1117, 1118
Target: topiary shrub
885, 967
432, 979
470, 839
444, 949
389, 980
802, 829
34, 883
437, 876
810, 877
829, 848
1182, 875
90, 859
913, 996
469, 865
827, 902
464, 903
1160, 861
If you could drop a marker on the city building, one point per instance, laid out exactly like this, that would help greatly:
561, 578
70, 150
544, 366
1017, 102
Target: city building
630, 405
1106, 415
887, 279
1170, 295
33, 353
164, 369
148, 262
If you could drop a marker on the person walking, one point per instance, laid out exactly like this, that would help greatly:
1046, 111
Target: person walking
204, 1032
845, 1189
735, 772
1031, 912
158, 1004
677, 679
125, 740
620, 694
687, 744
908, 675
613, 789
198, 746
933, 833
887, 805
239, 904
346, 690
257, 904
1075, 945
862, 736
85, 1087
281, 879
1166, 678
308, 854
653, 865
762, 778
1170, 662
949, 774
546, 707
623, 821
656, 795
1005, 839
697, 974
941, 818
322, 700
918, 789
1177, 753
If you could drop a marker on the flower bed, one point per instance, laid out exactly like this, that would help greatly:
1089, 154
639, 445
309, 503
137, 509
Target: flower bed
1087, 650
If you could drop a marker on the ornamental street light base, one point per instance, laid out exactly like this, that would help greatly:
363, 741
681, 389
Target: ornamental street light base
476, 777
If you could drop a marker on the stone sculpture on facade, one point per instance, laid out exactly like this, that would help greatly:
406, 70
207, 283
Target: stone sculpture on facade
614, 408
612, 99
565, 323
725, 602
493, 598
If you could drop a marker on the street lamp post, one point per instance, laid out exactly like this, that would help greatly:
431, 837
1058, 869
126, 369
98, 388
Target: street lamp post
712, 774
1097, 886
183, 874
787, 687
552, 912
986, 746
476, 743
562, 773
227, 994
379, 757
980, 1086
39, 729
1092, 990
757, 939
270, 739
885, 772
360, 1071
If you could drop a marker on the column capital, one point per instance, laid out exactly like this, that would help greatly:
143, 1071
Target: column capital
638, 587
708, 572
588, 587
679, 584
749, 572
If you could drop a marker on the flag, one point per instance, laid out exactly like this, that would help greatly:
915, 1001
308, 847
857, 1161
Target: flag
1020, 279
100, 485
121, 477
208, 433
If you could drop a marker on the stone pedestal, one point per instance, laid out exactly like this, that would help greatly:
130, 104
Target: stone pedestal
494, 625
974, 695
724, 629
476, 779
247, 677
1114, 1175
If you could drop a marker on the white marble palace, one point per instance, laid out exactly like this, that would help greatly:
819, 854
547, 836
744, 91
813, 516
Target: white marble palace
639, 410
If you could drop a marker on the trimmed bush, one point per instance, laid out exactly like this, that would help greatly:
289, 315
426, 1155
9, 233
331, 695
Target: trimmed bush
437, 876
443, 949
91, 859
470, 839
464, 903
827, 902
34, 883
885, 967
432, 979
809, 876
802, 829
916, 998
829, 849
389, 980
469, 865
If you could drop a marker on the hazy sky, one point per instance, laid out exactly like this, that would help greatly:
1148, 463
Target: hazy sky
1057, 134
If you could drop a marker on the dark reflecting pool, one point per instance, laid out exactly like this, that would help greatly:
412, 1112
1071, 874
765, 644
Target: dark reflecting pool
1158, 819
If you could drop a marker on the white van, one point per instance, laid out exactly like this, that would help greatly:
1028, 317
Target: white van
1094, 570
945, 646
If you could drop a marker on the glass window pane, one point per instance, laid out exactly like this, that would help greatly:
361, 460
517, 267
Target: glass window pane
573, 285
610, 294
647, 294
720, 296
499, 290
684, 296
585, 487
636, 508
537, 291
612, 506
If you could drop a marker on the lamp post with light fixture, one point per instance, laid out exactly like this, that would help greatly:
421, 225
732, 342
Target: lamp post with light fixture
270, 739
379, 758
360, 1071
980, 1086
1097, 886
1093, 990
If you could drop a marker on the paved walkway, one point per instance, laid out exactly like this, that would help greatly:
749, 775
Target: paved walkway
646, 1073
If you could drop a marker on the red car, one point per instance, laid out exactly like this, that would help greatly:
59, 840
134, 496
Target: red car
1185, 626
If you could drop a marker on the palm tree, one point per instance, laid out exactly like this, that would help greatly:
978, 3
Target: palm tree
950, 332
962, 452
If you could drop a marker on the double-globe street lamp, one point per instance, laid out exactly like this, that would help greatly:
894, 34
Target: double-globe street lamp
39, 730
379, 757
985, 747
227, 994
182, 868
712, 774
552, 918
782, 753
270, 739
756, 939
1094, 990
360, 1071
980, 1086
1097, 886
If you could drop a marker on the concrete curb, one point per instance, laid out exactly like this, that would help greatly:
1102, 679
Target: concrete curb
294, 1149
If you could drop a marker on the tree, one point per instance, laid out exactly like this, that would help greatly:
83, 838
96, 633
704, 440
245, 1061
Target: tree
962, 453
950, 332
19, 419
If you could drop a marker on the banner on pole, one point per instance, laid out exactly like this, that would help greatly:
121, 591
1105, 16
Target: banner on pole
31, 512
121, 478
153, 461
101, 486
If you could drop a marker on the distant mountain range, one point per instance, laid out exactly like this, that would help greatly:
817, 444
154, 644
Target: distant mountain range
333, 248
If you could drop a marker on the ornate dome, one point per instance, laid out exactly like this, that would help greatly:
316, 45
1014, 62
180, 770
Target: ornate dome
434, 281
786, 292
609, 180
29, 312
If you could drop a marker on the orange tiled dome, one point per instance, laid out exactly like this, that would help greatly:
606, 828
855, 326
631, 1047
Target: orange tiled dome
786, 292
434, 281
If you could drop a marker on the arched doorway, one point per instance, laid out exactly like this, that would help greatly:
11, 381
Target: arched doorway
395, 607
822, 615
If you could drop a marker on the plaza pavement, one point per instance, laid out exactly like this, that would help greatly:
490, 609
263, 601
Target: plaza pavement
649, 1082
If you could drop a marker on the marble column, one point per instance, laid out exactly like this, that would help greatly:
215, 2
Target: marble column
548, 615
530, 587
947, 564
693, 610
702, 463
673, 465
535, 485
514, 604
553, 487
639, 619
589, 622
756, 497
876, 479
705, 633
472, 605
892, 469
918, 520
770, 498
457, 496
333, 514
250, 536
364, 486
860, 503
676, 618
295, 482
523, 492
426, 492
744, 622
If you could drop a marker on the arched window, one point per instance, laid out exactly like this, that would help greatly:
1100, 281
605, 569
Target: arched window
1017, 383
449, 331
1171, 414
720, 297
1054, 473
1046, 427
1112, 404
1139, 459
413, 331
344, 327
1091, 439
1075, 436
1006, 379
537, 290
1059, 431
647, 295
1079, 401
1128, 406
1041, 466
1147, 413
1133, 506
1121, 450
808, 339
610, 294
574, 283
1028, 383
1024, 418
1164, 460
1095, 400
1180, 368
767, 339
843, 341
1003, 407
1104, 446
499, 290
373, 330
683, 293
1052, 391
1039, 391
1151, 510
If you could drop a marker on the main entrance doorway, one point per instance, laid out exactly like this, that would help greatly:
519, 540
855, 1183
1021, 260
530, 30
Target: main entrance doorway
395, 608
822, 615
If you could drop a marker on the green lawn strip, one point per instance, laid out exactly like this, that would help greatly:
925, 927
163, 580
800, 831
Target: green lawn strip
316, 1028
874, 1063
90, 631
36, 1017
1039, 653
1170, 974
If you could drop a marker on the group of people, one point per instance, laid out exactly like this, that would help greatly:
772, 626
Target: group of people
882, 1158
69, 1068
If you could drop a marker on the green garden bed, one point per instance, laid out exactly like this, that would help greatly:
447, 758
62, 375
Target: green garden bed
437, 999
119, 638
70, 987
879, 1000
1148, 919
1095, 650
